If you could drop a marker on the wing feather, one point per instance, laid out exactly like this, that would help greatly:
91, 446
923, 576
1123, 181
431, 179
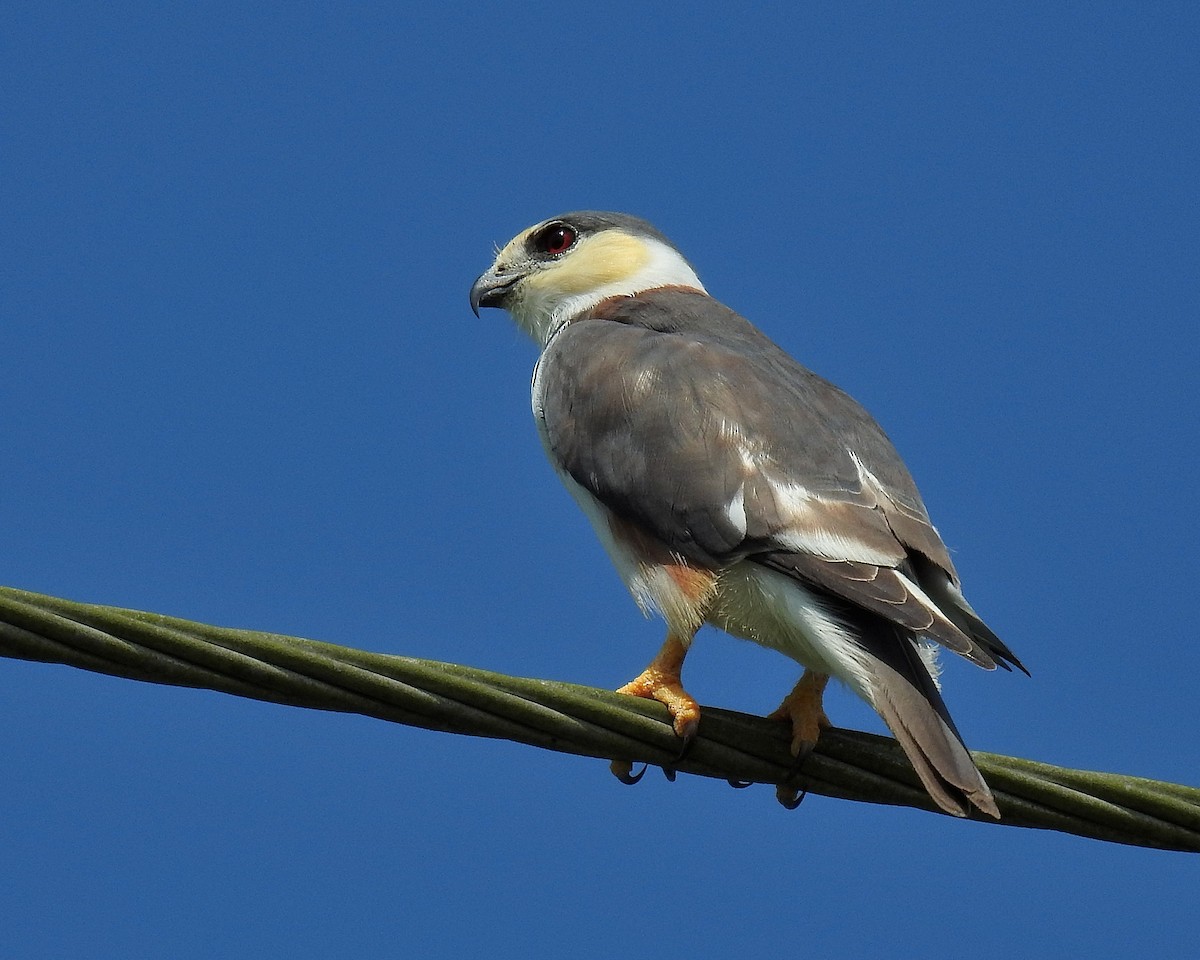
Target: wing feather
887, 593
682, 418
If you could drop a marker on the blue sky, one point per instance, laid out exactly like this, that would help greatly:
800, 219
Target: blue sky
240, 383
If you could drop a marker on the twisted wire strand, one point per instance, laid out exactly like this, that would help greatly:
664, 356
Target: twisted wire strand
571, 718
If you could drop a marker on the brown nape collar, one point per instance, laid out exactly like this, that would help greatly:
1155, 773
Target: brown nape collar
605, 308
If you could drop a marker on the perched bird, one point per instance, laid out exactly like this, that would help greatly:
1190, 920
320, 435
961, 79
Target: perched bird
731, 485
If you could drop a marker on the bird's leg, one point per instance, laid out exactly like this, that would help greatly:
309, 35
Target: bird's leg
803, 708
660, 681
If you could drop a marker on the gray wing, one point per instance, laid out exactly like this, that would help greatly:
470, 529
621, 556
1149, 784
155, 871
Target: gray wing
681, 417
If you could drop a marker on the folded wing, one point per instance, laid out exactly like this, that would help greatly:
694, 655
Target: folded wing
707, 435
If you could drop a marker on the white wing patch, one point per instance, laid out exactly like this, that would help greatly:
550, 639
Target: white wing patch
868, 479
735, 510
879, 493
831, 545
644, 383
812, 520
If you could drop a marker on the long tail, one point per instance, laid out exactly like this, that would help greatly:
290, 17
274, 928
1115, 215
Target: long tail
905, 695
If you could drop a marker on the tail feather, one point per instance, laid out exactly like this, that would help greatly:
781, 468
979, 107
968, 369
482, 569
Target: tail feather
905, 695
950, 600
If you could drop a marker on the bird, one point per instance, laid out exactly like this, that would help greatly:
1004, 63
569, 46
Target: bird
730, 485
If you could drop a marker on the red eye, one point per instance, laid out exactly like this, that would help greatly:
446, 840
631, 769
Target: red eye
555, 238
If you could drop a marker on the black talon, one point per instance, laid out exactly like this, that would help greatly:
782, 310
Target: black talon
685, 747
793, 803
789, 797
739, 784
806, 750
624, 772
669, 769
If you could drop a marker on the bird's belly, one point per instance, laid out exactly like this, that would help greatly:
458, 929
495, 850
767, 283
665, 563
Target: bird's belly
768, 608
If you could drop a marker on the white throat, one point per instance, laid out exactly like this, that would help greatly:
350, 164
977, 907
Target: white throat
542, 316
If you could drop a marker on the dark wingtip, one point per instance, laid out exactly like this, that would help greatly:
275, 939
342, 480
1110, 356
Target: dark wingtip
997, 647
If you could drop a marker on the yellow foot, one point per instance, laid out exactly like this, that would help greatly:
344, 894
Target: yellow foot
667, 690
660, 681
803, 708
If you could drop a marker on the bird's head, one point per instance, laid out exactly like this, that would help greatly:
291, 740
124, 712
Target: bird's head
556, 269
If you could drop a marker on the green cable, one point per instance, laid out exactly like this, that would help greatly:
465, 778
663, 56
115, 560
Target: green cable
570, 718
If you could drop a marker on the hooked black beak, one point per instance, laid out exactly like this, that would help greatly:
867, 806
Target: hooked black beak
491, 288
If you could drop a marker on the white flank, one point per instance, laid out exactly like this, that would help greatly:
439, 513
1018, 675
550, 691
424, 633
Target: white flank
773, 610
654, 590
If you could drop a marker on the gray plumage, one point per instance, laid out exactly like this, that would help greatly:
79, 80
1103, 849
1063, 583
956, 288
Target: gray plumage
650, 403
730, 484
665, 455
